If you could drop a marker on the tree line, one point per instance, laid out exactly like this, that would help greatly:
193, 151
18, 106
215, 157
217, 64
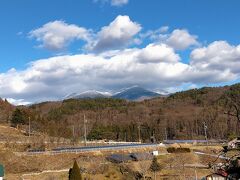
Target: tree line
178, 116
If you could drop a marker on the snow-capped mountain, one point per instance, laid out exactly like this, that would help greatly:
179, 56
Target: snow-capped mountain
135, 93
88, 94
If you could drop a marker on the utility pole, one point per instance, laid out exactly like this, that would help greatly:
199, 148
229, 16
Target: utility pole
125, 134
153, 140
85, 130
139, 133
73, 131
196, 177
166, 135
205, 132
29, 126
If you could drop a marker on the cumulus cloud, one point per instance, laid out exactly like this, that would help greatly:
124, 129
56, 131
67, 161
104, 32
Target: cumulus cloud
181, 39
154, 66
56, 35
109, 63
220, 56
155, 34
55, 77
155, 53
117, 34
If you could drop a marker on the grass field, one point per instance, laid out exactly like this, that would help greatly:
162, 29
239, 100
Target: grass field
94, 165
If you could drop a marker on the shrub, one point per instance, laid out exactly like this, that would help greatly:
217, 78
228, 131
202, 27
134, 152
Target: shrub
178, 150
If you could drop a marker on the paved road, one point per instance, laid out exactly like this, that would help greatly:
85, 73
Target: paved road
96, 148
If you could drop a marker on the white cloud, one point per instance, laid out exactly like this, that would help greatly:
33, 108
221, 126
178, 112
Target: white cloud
117, 34
17, 102
113, 2
109, 65
154, 66
56, 35
163, 29
219, 56
155, 53
180, 39
55, 77
118, 2
155, 35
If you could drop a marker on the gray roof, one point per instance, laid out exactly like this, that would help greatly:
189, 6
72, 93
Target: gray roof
141, 156
119, 158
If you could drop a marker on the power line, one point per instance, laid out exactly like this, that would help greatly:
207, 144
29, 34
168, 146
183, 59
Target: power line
139, 133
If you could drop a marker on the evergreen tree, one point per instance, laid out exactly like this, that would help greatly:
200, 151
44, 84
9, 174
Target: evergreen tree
74, 173
155, 166
17, 117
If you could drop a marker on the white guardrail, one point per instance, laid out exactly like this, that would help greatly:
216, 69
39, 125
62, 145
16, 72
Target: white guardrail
95, 148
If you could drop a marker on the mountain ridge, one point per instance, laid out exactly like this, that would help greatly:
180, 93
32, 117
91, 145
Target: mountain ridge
133, 93
88, 94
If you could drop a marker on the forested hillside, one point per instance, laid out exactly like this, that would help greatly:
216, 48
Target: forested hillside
6, 110
178, 116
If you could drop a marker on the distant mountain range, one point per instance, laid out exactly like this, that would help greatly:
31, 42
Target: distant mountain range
134, 93
88, 95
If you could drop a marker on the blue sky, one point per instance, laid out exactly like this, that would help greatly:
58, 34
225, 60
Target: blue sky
25, 45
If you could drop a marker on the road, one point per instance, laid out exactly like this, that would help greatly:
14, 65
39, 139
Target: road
95, 148
23, 177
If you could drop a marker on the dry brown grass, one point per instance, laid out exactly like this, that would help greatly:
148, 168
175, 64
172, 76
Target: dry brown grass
10, 133
95, 165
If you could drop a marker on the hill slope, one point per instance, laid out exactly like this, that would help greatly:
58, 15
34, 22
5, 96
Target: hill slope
179, 116
5, 111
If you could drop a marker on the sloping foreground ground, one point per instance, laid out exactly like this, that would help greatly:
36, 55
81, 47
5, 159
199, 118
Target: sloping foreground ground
95, 166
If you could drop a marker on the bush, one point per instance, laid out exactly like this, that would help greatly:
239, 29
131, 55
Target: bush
178, 150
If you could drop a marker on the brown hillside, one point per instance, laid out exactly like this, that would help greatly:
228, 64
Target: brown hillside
179, 116
5, 111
